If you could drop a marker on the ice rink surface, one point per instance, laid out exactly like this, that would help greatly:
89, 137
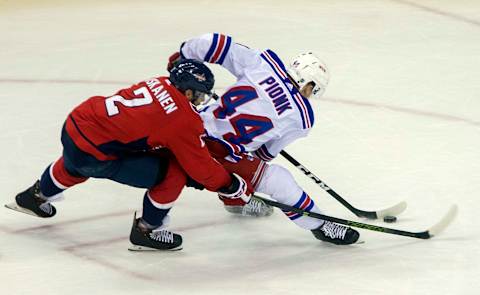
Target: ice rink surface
399, 121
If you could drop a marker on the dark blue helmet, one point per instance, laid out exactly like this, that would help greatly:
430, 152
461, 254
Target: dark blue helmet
192, 74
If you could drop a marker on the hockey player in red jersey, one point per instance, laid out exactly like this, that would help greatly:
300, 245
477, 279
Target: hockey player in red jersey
147, 136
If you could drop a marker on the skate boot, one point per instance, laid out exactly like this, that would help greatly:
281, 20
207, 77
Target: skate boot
255, 207
32, 202
144, 239
336, 233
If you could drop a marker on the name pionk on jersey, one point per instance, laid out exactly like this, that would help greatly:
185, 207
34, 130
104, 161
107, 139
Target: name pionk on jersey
276, 94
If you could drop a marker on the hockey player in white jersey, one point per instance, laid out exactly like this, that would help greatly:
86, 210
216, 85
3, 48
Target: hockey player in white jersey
264, 111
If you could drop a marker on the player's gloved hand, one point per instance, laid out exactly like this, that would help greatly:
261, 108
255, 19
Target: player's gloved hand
236, 190
194, 184
173, 60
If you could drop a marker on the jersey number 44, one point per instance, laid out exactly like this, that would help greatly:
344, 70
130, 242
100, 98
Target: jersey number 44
246, 126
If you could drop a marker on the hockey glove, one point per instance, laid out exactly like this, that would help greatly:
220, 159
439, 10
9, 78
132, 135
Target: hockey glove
236, 190
194, 184
173, 60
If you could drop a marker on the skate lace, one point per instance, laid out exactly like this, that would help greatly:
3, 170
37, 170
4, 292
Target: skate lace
46, 207
163, 236
254, 206
334, 230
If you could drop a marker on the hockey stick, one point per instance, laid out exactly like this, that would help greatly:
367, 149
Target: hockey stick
391, 211
427, 234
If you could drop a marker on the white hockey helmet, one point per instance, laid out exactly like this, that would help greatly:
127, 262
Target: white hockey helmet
307, 67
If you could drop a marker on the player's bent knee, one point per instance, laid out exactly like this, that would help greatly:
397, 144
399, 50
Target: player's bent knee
169, 189
278, 182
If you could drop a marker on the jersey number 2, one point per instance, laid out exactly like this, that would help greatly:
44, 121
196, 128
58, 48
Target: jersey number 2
246, 127
144, 98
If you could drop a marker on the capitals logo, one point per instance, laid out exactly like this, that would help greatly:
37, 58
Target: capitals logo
200, 77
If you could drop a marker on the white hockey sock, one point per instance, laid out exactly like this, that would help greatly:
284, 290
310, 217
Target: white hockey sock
279, 183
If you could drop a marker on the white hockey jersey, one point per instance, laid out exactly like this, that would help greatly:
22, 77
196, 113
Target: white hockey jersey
262, 112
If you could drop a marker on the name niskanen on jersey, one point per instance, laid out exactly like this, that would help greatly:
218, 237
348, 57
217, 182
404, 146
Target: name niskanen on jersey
162, 95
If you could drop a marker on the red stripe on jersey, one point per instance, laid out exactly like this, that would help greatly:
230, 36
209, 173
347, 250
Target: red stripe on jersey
299, 99
306, 202
219, 49
258, 174
61, 177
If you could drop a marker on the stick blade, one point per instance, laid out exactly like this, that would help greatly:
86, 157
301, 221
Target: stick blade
392, 211
444, 222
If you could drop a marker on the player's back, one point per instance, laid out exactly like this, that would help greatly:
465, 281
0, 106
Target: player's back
138, 118
261, 108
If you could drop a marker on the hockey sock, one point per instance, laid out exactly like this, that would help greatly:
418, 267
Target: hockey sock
155, 213
307, 204
55, 179
47, 184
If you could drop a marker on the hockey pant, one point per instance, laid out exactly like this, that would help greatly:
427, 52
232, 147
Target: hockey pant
163, 177
279, 184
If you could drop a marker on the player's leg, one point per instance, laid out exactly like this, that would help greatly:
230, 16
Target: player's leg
279, 183
250, 169
149, 232
36, 199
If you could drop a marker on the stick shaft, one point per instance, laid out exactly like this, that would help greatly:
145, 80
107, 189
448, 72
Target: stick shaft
329, 190
418, 235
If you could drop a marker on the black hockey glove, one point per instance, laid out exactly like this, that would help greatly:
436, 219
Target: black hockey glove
194, 184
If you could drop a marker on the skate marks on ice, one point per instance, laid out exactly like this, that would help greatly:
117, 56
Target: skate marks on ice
95, 251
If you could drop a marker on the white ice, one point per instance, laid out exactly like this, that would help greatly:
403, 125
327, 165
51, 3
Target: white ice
399, 121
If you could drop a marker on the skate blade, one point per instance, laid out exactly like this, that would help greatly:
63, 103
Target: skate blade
14, 206
137, 248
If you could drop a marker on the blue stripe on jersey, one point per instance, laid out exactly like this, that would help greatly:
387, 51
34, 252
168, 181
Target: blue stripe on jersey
301, 113
212, 48
305, 101
225, 50
309, 207
296, 216
264, 149
291, 215
262, 153
282, 75
310, 110
259, 155
300, 202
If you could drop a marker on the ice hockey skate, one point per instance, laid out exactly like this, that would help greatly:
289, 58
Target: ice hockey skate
144, 239
32, 202
336, 234
255, 208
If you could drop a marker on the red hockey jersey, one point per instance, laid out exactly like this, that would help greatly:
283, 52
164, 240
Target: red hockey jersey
147, 116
